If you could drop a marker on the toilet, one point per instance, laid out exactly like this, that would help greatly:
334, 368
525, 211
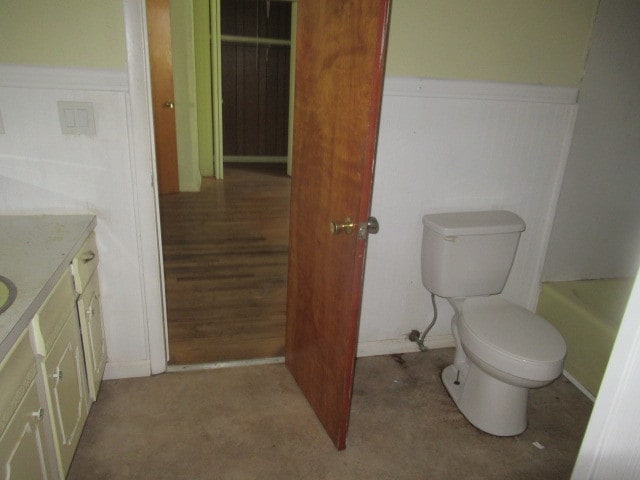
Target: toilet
502, 349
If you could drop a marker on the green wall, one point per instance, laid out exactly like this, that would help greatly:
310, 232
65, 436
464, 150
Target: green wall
519, 41
184, 91
78, 33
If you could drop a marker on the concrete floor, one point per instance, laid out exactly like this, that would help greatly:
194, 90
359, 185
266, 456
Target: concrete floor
253, 423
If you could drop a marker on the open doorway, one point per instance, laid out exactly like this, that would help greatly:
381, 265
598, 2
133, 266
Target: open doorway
225, 244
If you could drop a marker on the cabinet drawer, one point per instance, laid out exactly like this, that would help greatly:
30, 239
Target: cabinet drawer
53, 314
17, 371
85, 263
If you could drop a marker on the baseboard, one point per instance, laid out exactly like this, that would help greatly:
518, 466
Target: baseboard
402, 345
189, 187
195, 367
254, 159
114, 370
578, 385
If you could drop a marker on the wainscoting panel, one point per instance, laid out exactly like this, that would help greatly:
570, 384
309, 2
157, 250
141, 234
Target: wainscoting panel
455, 146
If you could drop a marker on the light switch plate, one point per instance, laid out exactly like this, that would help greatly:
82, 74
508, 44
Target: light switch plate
76, 118
1, 124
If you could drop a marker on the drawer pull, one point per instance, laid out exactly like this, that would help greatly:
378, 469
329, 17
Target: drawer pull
88, 256
57, 375
39, 414
90, 313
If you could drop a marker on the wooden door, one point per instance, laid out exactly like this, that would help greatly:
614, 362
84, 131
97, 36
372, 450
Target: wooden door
164, 118
339, 72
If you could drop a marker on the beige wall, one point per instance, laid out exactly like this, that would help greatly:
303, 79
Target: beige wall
519, 41
78, 33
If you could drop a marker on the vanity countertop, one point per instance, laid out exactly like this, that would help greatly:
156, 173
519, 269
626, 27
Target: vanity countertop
34, 252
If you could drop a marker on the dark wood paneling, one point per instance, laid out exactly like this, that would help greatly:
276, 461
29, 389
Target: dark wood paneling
246, 18
225, 263
255, 80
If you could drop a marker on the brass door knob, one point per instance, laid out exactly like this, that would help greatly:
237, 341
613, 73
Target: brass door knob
169, 104
346, 226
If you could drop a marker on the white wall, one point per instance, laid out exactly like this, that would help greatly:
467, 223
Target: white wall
453, 145
43, 171
596, 233
609, 110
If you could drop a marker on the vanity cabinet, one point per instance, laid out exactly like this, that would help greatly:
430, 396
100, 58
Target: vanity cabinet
24, 452
52, 343
87, 286
61, 378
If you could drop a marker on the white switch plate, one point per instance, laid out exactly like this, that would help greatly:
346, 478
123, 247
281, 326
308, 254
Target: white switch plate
76, 118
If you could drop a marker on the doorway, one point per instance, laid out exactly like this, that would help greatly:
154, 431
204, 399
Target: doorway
225, 261
225, 246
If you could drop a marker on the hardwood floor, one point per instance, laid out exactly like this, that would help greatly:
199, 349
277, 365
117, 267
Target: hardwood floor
225, 266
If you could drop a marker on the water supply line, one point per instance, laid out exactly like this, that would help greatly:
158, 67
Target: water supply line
415, 336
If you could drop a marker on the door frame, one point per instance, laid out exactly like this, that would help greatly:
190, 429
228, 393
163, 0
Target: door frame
145, 185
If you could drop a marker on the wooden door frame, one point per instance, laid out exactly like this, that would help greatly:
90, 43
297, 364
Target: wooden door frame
216, 87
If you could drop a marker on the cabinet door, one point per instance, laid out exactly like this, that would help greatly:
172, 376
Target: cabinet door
22, 445
65, 373
93, 341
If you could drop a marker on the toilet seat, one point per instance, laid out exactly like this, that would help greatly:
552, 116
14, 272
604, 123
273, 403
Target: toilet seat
511, 339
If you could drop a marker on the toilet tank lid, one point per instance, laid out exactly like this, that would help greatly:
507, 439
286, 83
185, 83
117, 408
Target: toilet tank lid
474, 223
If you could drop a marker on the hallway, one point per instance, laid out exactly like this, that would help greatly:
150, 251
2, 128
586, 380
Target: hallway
225, 263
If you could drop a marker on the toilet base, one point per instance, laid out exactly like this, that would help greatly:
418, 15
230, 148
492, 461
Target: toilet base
489, 404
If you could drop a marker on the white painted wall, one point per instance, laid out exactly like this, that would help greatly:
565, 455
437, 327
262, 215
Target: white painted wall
596, 233
43, 171
610, 112
455, 146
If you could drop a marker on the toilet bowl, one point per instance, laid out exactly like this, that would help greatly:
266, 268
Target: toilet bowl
506, 350
502, 349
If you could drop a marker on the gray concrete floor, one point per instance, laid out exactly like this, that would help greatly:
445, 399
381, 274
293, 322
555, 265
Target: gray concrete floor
253, 423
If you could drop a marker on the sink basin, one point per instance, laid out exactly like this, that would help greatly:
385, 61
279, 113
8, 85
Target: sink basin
8, 293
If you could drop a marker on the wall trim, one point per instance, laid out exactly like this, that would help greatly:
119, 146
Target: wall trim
143, 171
254, 159
578, 385
63, 78
114, 370
463, 89
402, 345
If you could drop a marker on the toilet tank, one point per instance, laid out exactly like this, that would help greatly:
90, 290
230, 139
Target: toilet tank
466, 254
